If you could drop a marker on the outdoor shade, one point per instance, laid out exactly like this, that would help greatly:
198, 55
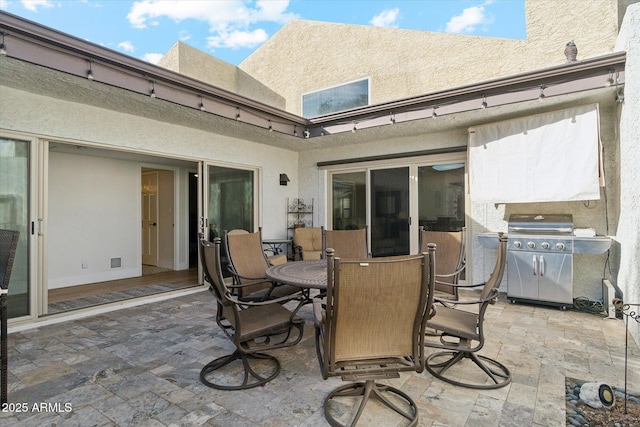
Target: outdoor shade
548, 157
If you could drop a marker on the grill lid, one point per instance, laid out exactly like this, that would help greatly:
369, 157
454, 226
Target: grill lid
559, 224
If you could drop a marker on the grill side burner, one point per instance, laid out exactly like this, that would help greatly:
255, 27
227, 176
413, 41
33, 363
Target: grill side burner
540, 259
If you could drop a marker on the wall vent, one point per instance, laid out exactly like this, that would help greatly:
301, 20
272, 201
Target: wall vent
116, 262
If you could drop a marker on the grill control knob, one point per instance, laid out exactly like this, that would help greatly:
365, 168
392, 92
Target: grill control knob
545, 245
531, 245
560, 246
517, 244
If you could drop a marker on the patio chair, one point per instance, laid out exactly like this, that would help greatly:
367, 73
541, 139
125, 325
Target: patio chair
346, 243
253, 327
307, 242
8, 245
248, 264
461, 335
450, 259
371, 327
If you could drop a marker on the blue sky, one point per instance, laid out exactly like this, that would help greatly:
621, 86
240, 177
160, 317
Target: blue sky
231, 30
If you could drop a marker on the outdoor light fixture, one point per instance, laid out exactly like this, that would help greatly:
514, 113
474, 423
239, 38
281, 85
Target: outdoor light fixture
270, 127
284, 179
153, 90
202, 104
433, 113
484, 102
3, 48
295, 130
307, 134
542, 95
90, 72
392, 118
609, 82
237, 114
354, 128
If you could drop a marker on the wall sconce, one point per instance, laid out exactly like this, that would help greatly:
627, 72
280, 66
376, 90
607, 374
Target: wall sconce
284, 179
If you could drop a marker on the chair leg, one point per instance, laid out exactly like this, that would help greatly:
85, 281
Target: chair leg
496, 371
371, 389
220, 362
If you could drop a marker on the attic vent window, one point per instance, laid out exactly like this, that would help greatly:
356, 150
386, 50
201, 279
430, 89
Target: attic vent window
337, 98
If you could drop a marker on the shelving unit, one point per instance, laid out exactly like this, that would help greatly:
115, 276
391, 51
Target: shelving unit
299, 214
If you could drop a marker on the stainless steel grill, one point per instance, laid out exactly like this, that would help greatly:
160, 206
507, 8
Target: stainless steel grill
540, 259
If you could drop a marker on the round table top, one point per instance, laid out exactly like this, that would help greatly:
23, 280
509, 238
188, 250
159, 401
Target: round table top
306, 274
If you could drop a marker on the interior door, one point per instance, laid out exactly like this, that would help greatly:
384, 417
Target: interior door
150, 218
390, 211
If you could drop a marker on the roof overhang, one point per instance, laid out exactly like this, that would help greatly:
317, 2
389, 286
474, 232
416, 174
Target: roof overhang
45, 61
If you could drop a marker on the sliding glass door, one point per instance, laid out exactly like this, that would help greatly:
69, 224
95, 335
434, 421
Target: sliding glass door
15, 195
231, 203
390, 212
393, 202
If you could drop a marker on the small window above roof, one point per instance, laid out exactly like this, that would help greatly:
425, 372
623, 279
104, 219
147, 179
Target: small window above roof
337, 98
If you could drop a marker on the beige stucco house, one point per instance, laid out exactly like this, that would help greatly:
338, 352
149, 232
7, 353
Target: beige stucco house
86, 132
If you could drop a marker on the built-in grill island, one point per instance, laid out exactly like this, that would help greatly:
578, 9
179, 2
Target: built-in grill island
540, 251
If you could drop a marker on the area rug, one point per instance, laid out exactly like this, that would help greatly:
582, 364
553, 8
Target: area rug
75, 304
581, 414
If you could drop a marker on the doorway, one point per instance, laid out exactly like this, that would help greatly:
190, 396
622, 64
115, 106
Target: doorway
157, 202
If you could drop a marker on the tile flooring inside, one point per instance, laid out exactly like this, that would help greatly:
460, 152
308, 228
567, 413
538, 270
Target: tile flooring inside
141, 365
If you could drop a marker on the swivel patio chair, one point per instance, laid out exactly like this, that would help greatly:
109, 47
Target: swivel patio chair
307, 242
248, 265
450, 259
8, 245
372, 328
346, 243
461, 335
253, 327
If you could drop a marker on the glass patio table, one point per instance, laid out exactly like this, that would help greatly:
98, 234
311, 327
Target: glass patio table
304, 274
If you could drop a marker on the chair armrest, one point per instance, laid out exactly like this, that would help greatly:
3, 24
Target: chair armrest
492, 295
279, 300
455, 273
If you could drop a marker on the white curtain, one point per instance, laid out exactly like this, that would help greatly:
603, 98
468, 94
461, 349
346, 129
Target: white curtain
542, 158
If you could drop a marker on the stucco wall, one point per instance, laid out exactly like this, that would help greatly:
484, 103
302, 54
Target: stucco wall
311, 55
192, 62
628, 235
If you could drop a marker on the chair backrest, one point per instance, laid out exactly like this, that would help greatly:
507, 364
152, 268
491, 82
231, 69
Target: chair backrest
495, 279
310, 240
8, 245
377, 308
346, 243
450, 255
247, 259
212, 269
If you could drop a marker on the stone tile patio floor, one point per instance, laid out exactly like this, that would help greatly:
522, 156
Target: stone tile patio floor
140, 366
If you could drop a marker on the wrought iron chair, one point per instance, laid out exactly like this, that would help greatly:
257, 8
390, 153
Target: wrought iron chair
372, 328
248, 265
461, 335
8, 245
253, 327
450, 259
307, 242
346, 243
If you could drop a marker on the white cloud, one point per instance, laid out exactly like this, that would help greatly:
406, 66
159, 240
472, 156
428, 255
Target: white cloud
386, 18
229, 21
238, 39
469, 20
126, 46
154, 58
33, 5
